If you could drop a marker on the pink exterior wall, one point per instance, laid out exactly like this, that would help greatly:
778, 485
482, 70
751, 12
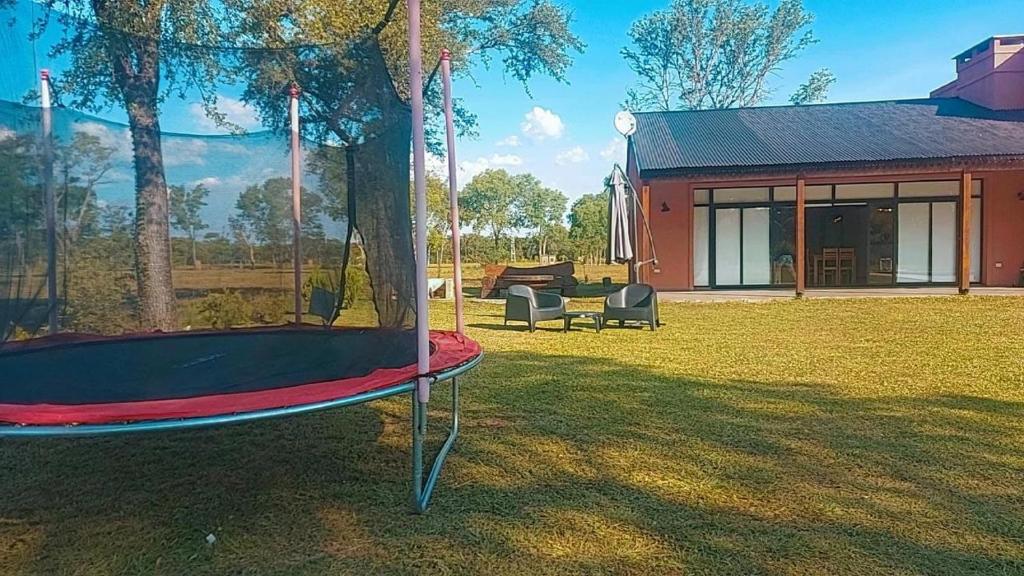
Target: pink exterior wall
672, 231
993, 78
1002, 228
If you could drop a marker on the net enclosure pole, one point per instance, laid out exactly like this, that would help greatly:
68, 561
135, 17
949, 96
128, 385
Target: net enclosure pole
50, 201
453, 186
420, 181
293, 108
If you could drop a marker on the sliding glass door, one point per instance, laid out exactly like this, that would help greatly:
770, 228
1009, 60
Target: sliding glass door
872, 234
742, 249
927, 243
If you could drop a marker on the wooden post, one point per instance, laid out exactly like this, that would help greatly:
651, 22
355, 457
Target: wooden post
642, 250
964, 222
801, 249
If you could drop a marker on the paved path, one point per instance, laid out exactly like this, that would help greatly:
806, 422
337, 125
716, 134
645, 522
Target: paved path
768, 295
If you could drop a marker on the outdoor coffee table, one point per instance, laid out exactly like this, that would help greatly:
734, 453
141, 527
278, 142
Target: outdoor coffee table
597, 317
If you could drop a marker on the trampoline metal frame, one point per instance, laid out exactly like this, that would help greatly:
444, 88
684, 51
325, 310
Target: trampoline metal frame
422, 489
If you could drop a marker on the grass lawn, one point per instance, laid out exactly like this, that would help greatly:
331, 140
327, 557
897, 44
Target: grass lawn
815, 437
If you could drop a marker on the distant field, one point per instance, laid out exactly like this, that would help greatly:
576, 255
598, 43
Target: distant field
220, 278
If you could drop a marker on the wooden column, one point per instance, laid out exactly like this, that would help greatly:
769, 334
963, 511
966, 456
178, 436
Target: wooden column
645, 242
801, 250
964, 229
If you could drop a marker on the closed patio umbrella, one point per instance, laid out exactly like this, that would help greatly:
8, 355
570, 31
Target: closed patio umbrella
620, 243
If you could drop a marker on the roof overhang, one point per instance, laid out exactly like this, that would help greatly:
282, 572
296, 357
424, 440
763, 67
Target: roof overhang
838, 169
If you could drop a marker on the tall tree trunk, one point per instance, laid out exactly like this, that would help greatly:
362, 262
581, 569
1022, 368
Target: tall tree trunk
135, 62
152, 226
194, 260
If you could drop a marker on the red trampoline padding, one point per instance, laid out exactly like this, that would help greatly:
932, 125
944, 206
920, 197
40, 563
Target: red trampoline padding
450, 350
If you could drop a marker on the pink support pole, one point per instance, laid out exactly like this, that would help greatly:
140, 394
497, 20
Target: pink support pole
50, 202
293, 108
420, 180
453, 186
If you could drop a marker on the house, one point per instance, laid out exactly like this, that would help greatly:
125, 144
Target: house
862, 194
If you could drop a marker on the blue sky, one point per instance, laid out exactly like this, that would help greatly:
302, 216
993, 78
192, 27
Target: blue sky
877, 49
563, 133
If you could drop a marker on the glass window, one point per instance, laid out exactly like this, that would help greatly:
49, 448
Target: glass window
783, 245
701, 196
701, 272
785, 193
727, 246
944, 234
976, 188
975, 239
730, 195
880, 243
757, 266
912, 242
926, 189
817, 193
863, 191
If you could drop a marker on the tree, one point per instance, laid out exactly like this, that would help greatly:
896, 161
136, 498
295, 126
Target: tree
353, 76
186, 213
134, 54
816, 88
529, 37
439, 217
539, 209
83, 165
486, 203
701, 54
588, 225
264, 215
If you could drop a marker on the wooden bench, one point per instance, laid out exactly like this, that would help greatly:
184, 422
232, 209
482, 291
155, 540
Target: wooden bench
557, 277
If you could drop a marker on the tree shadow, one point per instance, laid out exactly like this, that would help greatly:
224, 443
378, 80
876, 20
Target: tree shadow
566, 464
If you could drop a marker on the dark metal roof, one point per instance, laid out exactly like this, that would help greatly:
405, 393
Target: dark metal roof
868, 133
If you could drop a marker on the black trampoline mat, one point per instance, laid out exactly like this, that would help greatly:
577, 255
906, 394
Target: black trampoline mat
196, 364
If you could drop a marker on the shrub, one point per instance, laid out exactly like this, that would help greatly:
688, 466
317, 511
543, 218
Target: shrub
224, 310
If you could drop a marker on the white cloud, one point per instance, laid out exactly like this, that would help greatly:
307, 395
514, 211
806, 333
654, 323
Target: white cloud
209, 182
184, 152
119, 140
541, 124
470, 168
574, 155
436, 165
615, 151
235, 112
510, 141
505, 160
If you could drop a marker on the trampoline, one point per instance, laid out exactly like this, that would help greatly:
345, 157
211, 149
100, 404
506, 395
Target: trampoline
81, 385
309, 216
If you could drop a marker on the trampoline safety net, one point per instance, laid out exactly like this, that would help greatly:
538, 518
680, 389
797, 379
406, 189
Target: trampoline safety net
147, 179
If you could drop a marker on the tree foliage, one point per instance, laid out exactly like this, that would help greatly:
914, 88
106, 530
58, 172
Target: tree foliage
701, 54
133, 54
816, 88
264, 216
186, 213
588, 225
504, 206
486, 202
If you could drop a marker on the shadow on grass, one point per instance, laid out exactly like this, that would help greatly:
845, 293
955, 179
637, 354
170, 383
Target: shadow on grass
566, 464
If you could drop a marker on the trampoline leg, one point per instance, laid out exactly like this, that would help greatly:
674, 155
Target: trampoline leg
422, 491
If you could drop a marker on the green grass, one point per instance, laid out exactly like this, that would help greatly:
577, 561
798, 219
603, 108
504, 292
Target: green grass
816, 437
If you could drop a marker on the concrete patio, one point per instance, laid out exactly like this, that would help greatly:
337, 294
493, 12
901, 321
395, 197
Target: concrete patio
787, 293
